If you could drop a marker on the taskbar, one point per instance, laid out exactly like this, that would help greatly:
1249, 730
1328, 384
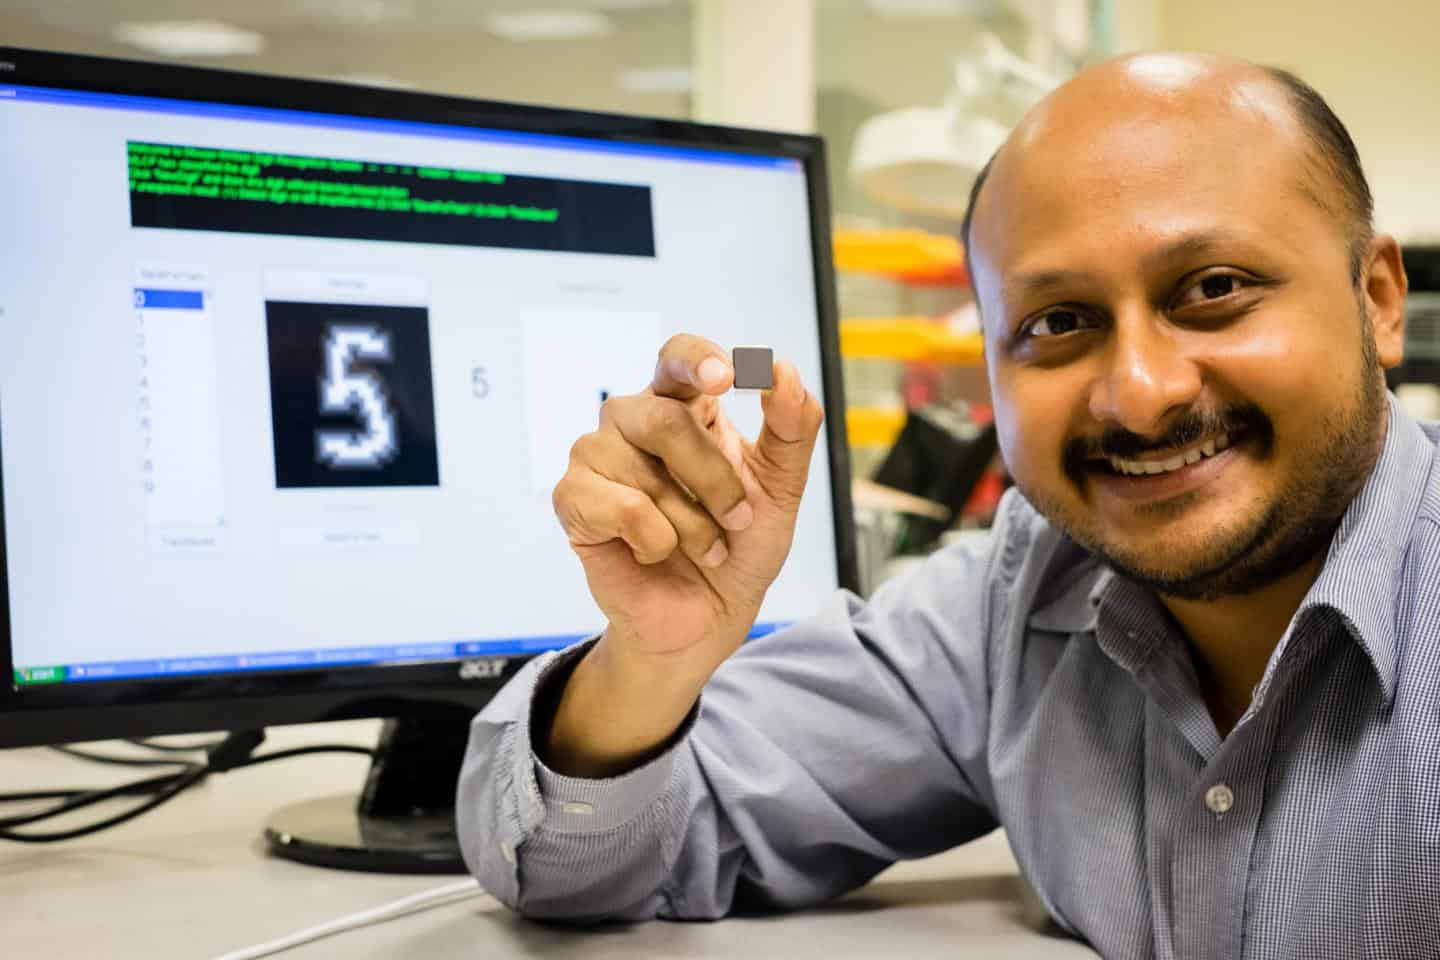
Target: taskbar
309, 659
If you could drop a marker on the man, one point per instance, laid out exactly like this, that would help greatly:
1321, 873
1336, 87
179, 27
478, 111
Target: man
1195, 674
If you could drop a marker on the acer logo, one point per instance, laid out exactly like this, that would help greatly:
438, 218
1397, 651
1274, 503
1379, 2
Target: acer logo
6, 66
488, 669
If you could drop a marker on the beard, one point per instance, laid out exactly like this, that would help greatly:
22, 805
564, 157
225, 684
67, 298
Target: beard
1266, 541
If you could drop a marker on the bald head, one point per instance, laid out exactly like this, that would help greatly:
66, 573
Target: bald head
1242, 104
1163, 251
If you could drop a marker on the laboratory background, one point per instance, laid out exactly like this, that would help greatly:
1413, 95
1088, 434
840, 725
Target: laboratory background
911, 97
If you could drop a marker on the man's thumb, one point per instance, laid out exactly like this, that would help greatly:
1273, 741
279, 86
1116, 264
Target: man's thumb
792, 422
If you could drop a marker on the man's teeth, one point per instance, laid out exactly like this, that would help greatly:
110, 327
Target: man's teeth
1193, 455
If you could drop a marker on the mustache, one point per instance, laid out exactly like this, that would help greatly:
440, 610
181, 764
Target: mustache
1194, 425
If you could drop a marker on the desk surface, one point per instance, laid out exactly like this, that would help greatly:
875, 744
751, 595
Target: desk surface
191, 880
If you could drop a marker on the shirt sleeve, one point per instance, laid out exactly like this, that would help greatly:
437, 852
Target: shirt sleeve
817, 756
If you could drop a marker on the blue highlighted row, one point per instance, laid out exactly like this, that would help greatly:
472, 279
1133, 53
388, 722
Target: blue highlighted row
119, 101
311, 659
146, 299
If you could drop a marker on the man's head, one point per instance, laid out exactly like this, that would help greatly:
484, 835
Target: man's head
1174, 260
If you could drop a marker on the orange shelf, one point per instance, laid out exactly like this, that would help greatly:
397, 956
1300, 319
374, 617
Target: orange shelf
874, 426
908, 338
910, 256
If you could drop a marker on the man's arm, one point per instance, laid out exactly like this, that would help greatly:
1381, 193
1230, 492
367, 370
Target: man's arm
817, 757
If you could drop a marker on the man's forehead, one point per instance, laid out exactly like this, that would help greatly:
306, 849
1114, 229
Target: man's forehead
1154, 85
1138, 139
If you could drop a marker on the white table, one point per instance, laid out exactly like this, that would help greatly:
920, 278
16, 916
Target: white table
192, 880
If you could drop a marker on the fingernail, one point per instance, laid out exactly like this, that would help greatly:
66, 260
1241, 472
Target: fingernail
715, 555
739, 518
711, 372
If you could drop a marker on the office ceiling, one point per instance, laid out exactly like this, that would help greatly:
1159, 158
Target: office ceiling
448, 46
438, 45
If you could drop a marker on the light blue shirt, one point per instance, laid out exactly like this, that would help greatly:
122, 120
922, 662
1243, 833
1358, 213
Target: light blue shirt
1019, 683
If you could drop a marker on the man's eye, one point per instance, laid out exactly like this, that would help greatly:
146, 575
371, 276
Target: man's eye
1055, 323
1216, 286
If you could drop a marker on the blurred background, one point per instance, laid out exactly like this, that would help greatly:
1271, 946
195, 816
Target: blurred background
911, 96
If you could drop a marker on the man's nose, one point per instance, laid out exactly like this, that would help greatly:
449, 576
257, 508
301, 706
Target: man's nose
1147, 375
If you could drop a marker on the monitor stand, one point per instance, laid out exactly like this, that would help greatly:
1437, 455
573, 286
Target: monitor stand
404, 819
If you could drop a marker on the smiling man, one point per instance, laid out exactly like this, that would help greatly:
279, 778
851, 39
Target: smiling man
1194, 673
1187, 315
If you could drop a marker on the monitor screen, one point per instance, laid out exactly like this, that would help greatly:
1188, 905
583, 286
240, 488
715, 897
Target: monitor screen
288, 371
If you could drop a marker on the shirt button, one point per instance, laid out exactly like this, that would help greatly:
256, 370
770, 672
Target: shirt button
1219, 798
508, 852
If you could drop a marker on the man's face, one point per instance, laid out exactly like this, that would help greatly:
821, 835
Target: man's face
1183, 377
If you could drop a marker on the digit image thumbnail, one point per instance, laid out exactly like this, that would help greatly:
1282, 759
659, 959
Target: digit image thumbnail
352, 401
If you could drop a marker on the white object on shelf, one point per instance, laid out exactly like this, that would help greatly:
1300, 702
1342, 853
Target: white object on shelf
925, 159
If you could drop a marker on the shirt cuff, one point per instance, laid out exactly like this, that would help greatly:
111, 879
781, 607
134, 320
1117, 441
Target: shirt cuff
581, 805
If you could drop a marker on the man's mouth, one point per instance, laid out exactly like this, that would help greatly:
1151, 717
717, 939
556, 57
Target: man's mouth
1159, 475
1165, 461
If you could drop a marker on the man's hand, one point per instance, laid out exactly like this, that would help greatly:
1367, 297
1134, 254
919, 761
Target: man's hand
681, 524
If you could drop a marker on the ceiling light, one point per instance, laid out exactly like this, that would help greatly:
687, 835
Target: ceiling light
190, 38
658, 80
916, 9
549, 24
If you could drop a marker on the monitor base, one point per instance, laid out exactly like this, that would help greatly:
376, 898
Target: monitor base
332, 832
403, 820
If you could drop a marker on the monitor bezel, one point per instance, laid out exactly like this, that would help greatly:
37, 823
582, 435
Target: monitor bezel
68, 712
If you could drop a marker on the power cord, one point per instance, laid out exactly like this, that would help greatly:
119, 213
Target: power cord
434, 897
152, 744
166, 787
82, 754
234, 751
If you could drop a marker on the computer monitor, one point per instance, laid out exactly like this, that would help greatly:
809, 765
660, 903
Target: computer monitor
288, 370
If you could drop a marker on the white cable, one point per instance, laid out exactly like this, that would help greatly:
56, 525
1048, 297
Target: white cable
450, 893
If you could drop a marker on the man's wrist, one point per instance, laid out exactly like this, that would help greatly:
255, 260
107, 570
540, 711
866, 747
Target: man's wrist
616, 711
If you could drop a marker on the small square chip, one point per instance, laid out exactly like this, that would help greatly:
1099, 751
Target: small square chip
754, 367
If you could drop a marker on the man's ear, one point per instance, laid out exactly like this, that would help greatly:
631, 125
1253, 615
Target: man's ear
1384, 297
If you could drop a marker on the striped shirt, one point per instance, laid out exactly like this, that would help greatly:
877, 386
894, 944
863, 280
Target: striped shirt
1022, 684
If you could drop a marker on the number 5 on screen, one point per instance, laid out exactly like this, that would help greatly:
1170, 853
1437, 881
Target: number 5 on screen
362, 392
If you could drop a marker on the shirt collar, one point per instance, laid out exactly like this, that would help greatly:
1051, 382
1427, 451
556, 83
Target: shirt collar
1364, 568
1359, 581
1066, 602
